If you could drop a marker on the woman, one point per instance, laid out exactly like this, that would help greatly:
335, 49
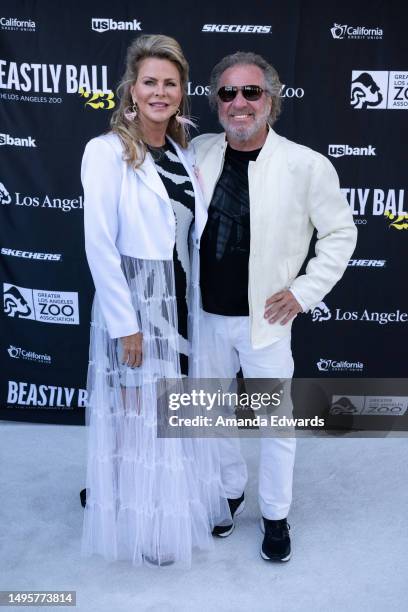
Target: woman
150, 499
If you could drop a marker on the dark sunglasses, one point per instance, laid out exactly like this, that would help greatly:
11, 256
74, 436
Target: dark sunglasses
250, 92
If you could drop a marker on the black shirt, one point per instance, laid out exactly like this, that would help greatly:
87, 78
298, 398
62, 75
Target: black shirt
224, 250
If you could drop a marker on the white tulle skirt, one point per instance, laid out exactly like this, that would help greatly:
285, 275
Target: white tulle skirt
149, 500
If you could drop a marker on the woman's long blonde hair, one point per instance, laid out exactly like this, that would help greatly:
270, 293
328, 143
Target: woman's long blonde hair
130, 133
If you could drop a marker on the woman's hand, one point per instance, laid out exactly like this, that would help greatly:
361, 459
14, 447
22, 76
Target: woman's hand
132, 350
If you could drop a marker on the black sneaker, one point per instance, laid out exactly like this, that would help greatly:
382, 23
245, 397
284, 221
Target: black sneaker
82, 496
236, 507
276, 542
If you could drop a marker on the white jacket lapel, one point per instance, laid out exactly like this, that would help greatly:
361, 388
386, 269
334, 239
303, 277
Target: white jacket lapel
211, 163
151, 178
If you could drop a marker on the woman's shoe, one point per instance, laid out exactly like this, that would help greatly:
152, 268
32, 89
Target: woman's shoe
163, 561
82, 496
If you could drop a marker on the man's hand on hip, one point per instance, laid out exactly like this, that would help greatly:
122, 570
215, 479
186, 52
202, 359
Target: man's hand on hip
281, 306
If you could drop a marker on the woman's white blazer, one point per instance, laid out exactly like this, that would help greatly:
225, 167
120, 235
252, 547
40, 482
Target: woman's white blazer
127, 212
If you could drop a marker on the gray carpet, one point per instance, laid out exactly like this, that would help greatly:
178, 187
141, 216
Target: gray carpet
348, 527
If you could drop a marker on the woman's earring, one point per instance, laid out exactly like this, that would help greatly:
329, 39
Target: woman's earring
131, 112
183, 120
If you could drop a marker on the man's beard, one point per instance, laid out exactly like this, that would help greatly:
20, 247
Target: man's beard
242, 133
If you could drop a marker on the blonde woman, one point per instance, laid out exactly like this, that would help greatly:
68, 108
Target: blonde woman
149, 499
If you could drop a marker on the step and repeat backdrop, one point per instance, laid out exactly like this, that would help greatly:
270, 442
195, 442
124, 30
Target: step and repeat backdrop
344, 67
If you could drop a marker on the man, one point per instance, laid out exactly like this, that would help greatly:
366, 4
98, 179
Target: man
266, 195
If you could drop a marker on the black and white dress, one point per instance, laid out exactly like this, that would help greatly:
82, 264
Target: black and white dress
150, 499
180, 190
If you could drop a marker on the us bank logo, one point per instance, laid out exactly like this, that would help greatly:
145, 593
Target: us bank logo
6, 139
341, 32
341, 150
379, 89
100, 24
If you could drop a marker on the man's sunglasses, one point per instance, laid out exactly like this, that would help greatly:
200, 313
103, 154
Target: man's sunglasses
250, 92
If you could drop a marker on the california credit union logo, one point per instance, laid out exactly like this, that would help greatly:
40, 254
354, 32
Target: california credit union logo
16, 352
331, 365
340, 32
13, 23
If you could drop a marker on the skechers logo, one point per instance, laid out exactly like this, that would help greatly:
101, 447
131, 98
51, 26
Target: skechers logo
367, 263
31, 254
237, 29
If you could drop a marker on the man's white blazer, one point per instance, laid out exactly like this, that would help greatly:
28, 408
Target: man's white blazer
292, 190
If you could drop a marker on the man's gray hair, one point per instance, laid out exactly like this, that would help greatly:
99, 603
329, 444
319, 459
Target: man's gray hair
273, 85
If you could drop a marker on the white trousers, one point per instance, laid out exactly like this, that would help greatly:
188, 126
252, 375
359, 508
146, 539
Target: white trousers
226, 348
